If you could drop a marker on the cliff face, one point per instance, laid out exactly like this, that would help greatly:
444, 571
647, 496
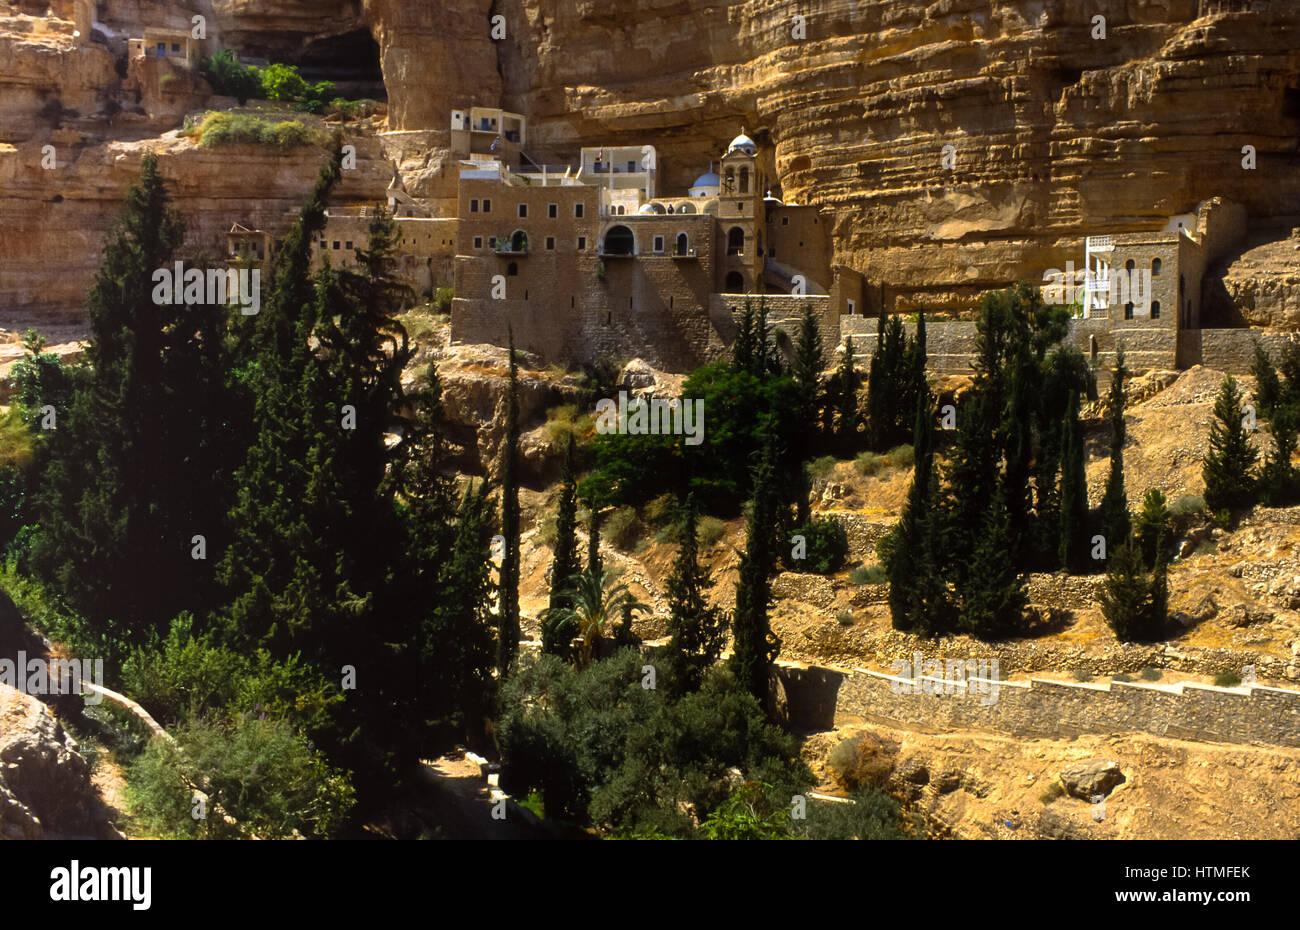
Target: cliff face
1055, 134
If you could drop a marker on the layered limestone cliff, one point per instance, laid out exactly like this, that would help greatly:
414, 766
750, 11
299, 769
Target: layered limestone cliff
1056, 132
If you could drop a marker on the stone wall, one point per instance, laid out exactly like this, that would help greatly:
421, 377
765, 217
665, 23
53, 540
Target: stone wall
784, 313
950, 346
1044, 709
1231, 350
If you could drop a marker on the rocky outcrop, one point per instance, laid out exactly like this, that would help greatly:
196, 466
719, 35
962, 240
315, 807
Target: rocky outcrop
44, 782
1091, 779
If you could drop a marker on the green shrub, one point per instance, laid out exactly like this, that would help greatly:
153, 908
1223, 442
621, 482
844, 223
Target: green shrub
219, 129
1186, 506
622, 528
546, 530
1151, 674
230, 78
869, 574
256, 770
292, 134
1121, 676
826, 547
710, 530
873, 815
1228, 678
821, 468
1054, 791
1081, 674
442, 298
899, 457
845, 618
868, 463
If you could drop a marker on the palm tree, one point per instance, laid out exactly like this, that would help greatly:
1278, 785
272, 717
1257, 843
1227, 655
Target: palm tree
592, 603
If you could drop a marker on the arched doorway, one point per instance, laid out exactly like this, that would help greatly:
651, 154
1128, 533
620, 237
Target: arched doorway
619, 241
519, 241
735, 283
683, 244
736, 241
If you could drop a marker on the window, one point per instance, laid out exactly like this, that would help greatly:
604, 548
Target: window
473, 206
659, 243
1128, 265
553, 210
349, 245
744, 180
735, 241
324, 244
512, 269
735, 283
336, 245
740, 204
176, 48
582, 243
852, 306
1128, 311
1155, 308
162, 49
670, 301
487, 205
1155, 267
683, 244
478, 242
578, 210
571, 301
785, 221
550, 242
631, 167
523, 210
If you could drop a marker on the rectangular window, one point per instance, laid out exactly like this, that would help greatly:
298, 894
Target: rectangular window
473, 206
336, 245
487, 205
550, 242
582, 243
478, 242
523, 211
162, 49
851, 307
553, 210
740, 204
349, 245
631, 167
659, 243
785, 221
577, 210
176, 47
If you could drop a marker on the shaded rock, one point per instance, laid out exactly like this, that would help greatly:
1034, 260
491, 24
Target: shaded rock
44, 782
1091, 778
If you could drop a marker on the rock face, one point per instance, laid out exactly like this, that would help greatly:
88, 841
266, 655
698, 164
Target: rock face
44, 782
1055, 131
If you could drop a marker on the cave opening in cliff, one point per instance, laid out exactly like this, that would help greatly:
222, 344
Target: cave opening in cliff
349, 60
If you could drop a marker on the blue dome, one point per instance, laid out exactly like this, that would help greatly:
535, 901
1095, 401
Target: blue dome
708, 179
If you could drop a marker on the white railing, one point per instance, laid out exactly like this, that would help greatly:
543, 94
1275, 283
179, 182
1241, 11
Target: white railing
1100, 244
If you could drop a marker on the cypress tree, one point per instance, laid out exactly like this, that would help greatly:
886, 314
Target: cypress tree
508, 612
1277, 480
1289, 367
754, 645
809, 361
1152, 525
993, 596
1073, 546
1128, 598
743, 349
1114, 504
1268, 389
917, 593
846, 422
1227, 470
697, 631
565, 562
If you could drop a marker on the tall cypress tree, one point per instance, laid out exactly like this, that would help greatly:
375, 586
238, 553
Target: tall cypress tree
697, 631
846, 420
508, 616
993, 598
1073, 545
744, 348
1114, 505
1268, 389
918, 596
1277, 480
1230, 460
565, 562
754, 645
809, 360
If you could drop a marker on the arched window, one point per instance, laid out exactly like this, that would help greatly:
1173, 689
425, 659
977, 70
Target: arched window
519, 241
1155, 307
1155, 267
1128, 265
736, 241
686, 207
744, 180
683, 244
729, 182
735, 283
619, 241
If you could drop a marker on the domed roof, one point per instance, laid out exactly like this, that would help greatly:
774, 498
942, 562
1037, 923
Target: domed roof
744, 143
770, 199
708, 179
645, 209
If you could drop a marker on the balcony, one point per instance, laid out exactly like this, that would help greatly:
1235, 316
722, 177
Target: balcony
514, 245
1100, 244
684, 253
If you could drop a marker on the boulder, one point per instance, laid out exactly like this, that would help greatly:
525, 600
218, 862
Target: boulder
1092, 778
44, 781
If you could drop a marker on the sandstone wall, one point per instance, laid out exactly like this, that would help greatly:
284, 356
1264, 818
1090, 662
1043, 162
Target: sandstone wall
1048, 709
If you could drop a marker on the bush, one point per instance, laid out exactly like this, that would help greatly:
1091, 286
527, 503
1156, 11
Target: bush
1186, 506
820, 469
546, 530
442, 298
258, 771
219, 129
230, 78
1228, 678
826, 547
710, 530
1054, 791
1080, 673
873, 815
1151, 674
868, 463
622, 528
845, 618
899, 457
860, 761
869, 574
